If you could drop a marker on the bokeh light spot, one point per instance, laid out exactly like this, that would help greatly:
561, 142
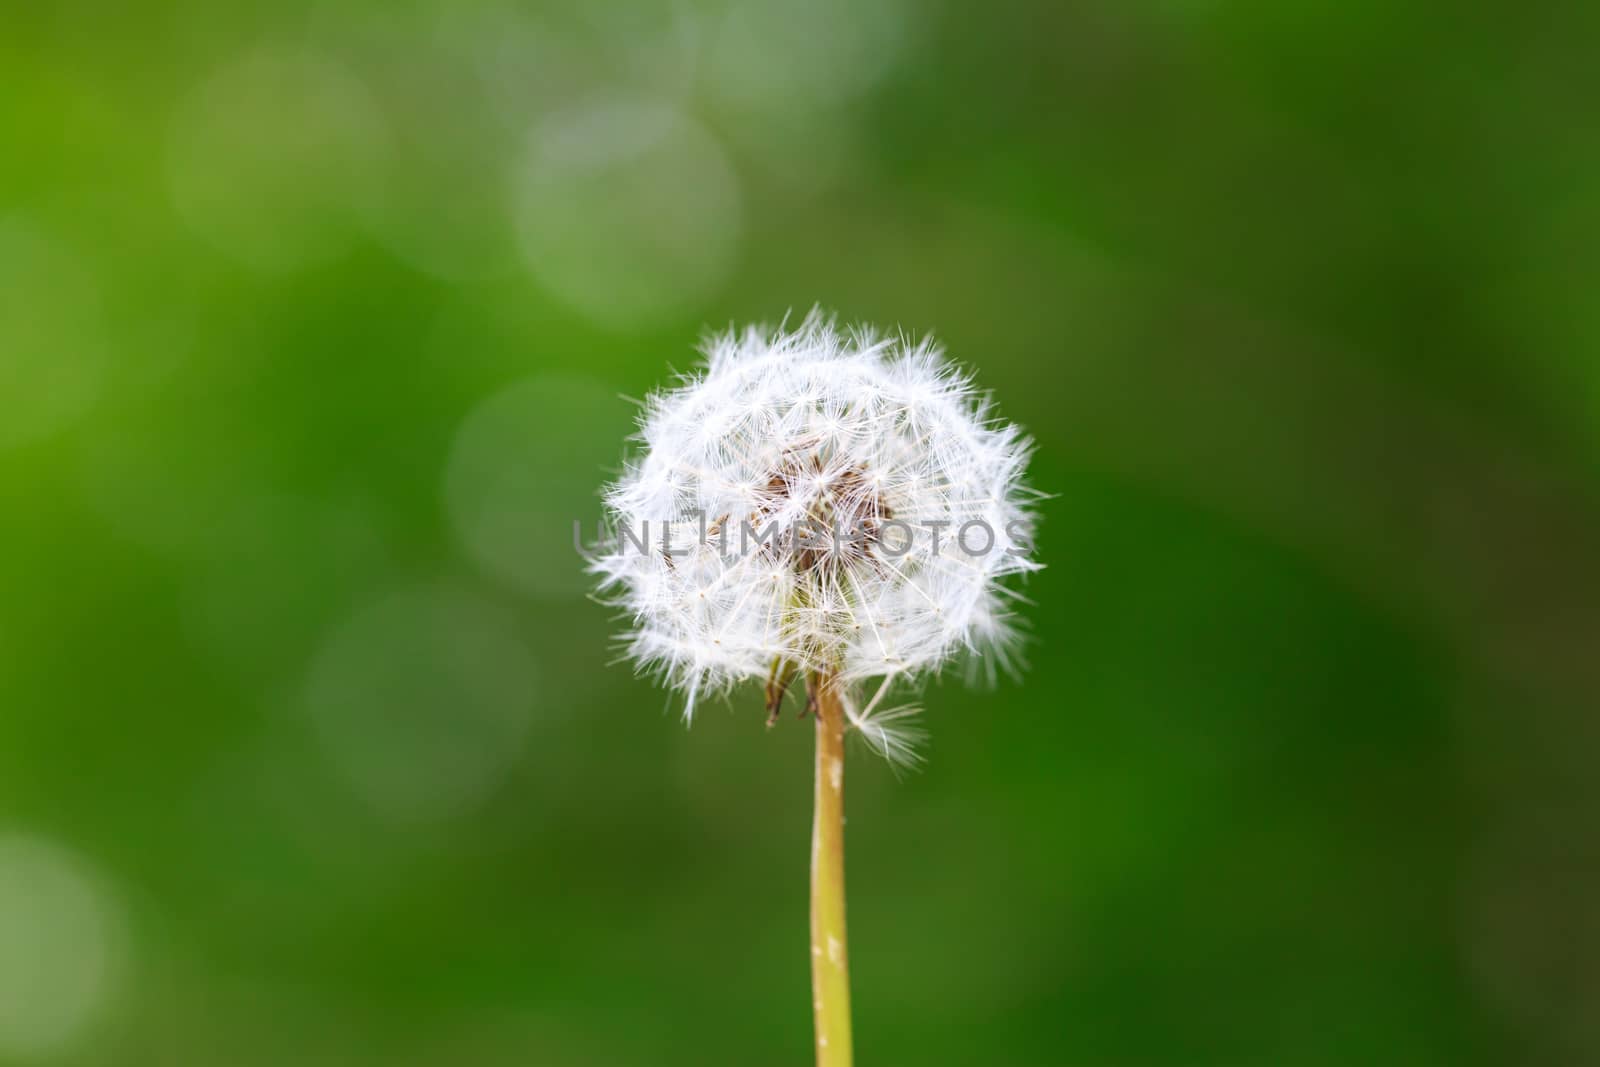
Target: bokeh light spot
627, 210
441, 203
422, 702
770, 54
59, 936
526, 463
560, 56
52, 354
270, 158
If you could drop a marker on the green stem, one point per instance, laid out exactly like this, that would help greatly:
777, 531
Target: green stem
830, 970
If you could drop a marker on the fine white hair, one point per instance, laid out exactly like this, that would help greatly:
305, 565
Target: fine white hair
899, 504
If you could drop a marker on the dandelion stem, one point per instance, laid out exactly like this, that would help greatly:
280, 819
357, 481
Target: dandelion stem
830, 969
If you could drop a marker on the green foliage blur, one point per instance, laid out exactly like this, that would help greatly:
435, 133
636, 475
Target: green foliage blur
318, 324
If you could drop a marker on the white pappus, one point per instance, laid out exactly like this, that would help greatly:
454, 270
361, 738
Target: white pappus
829, 503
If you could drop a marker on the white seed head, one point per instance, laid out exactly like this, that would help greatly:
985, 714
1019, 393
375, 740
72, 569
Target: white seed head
834, 503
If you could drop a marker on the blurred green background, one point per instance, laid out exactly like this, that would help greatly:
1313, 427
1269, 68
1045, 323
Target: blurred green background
316, 321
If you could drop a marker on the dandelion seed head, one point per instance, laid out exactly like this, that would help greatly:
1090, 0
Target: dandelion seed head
862, 457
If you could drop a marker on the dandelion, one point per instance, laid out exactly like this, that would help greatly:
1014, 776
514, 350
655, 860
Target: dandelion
828, 505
